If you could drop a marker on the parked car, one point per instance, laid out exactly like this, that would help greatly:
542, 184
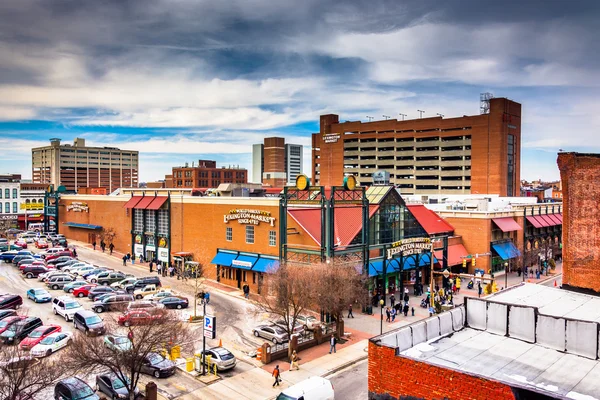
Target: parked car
159, 295
224, 359
39, 295
150, 306
63, 253
8, 247
58, 282
41, 244
37, 335
25, 262
10, 301
70, 287
124, 283
67, 262
113, 387
148, 290
74, 388
89, 322
177, 302
33, 271
137, 317
142, 282
19, 331
8, 256
51, 344
20, 257
7, 313
66, 307
111, 278
9, 321
298, 328
274, 333
117, 343
52, 250
88, 275
58, 260
83, 291
116, 302
60, 242
22, 243
100, 275
80, 271
156, 365
99, 290
52, 274
76, 266
315, 387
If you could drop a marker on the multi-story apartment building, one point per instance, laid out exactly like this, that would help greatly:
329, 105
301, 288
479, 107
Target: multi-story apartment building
10, 200
275, 162
469, 154
77, 166
205, 175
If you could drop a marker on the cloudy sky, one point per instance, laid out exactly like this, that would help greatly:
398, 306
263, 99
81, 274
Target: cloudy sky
180, 80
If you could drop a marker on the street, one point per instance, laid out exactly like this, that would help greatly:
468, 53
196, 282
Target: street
352, 382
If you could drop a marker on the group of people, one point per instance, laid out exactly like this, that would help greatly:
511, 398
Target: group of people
527, 271
111, 246
395, 309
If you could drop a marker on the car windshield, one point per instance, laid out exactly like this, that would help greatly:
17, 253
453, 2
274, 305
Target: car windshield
81, 392
40, 291
3, 324
71, 305
283, 396
154, 358
224, 354
93, 320
37, 333
118, 383
121, 340
47, 340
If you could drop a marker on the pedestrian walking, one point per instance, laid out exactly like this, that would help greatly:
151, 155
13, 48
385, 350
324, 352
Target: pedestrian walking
128, 256
294, 361
276, 375
74, 252
124, 260
405, 310
457, 285
94, 245
151, 265
392, 300
332, 343
393, 313
406, 298
479, 289
207, 297
350, 315
171, 271
102, 245
388, 314
246, 289
111, 247
158, 268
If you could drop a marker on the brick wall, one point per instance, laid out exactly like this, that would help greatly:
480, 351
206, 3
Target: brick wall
476, 236
580, 174
394, 377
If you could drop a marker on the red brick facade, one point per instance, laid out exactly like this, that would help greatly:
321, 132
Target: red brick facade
580, 174
396, 377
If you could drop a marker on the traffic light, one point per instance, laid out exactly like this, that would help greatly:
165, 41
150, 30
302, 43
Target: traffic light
474, 262
464, 263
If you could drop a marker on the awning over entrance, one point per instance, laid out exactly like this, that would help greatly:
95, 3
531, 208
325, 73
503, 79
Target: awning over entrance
555, 218
244, 262
507, 224
559, 216
265, 265
429, 220
144, 203
533, 221
133, 202
506, 250
82, 226
456, 253
393, 265
224, 259
157, 203
549, 220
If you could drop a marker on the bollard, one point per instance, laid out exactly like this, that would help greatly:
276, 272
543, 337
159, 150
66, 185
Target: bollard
198, 360
151, 391
189, 364
215, 369
175, 352
259, 354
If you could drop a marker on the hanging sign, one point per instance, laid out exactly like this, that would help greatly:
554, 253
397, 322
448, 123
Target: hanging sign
249, 217
163, 254
409, 246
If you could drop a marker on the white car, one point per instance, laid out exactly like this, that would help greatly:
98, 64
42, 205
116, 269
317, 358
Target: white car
66, 307
313, 388
74, 267
159, 295
51, 344
124, 283
307, 321
47, 275
82, 270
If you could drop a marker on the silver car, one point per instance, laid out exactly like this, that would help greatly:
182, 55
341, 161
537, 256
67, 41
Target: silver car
274, 333
222, 357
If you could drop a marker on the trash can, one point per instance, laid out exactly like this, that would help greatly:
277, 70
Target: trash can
197, 361
189, 364
175, 352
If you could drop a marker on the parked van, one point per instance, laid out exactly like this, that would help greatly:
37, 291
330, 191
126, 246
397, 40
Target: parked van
89, 322
313, 388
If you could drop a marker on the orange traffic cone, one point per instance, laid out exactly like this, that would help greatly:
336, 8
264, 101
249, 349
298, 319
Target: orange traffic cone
221, 343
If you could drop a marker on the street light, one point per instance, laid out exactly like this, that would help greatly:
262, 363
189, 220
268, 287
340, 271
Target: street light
505, 275
381, 303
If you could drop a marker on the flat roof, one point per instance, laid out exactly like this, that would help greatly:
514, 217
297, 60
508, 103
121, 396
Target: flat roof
513, 361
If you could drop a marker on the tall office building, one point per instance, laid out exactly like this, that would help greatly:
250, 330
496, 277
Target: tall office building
77, 166
276, 163
466, 155
205, 175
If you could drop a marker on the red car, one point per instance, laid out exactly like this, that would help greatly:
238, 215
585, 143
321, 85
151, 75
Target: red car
137, 317
59, 254
41, 244
84, 290
37, 335
21, 243
8, 321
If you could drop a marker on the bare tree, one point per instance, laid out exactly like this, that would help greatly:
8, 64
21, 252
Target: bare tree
163, 331
25, 377
107, 235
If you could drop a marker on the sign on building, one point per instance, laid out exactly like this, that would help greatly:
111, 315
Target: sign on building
409, 247
78, 206
381, 177
210, 326
249, 217
163, 254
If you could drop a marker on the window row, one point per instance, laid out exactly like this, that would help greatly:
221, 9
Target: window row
15, 207
15, 193
230, 273
250, 235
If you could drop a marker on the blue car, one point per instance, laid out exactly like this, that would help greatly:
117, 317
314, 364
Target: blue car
69, 287
8, 256
39, 295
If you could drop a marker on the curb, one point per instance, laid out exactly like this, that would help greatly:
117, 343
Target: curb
344, 366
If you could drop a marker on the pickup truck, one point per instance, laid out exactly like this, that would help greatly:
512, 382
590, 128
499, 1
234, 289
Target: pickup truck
148, 290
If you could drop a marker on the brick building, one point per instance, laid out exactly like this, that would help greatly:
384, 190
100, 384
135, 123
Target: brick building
204, 175
470, 154
276, 163
580, 174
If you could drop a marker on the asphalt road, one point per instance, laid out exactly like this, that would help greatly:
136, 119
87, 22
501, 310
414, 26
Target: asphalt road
352, 382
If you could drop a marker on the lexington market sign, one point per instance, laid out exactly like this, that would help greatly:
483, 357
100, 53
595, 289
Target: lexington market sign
78, 206
409, 247
249, 217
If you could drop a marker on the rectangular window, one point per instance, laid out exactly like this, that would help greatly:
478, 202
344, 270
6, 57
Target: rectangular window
150, 222
7, 207
510, 172
250, 234
244, 275
229, 273
228, 234
15, 207
15, 195
272, 238
163, 222
7, 193
0, 193
222, 272
138, 220
0, 208
254, 277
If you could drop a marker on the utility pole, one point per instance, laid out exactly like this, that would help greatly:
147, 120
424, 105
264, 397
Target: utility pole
386, 116
370, 118
420, 113
403, 115
439, 115
203, 337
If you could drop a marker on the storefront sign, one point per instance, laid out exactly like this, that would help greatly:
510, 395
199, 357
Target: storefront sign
9, 217
32, 206
163, 255
138, 239
150, 248
331, 137
78, 206
138, 249
409, 246
162, 242
249, 217
239, 263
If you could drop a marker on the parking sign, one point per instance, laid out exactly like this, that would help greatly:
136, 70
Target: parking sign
210, 326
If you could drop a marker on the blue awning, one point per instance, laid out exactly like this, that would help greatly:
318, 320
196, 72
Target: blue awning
83, 226
265, 265
244, 262
393, 266
224, 259
506, 250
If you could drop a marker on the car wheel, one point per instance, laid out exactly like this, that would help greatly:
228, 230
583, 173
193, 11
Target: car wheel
274, 340
179, 306
99, 310
156, 374
138, 297
94, 281
70, 290
35, 300
29, 276
256, 334
48, 353
79, 294
127, 323
55, 312
55, 287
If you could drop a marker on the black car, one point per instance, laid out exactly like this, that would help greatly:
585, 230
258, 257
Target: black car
66, 263
156, 365
7, 313
19, 331
142, 282
59, 260
117, 302
174, 302
98, 291
74, 389
11, 301
33, 271
113, 387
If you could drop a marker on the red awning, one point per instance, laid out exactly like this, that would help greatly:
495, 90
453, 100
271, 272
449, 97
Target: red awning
548, 220
456, 254
429, 220
541, 220
559, 216
157, 203
348, 222
133, 201
533, 221
555, 218
144, 202
507, 224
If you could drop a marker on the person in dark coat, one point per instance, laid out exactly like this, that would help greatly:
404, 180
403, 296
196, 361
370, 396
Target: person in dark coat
151, 265
246, 291
406, 298
111, 247
124, 260
94, 244
388, 314
405, 310
392, 300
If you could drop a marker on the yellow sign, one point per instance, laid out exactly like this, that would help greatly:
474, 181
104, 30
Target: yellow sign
349, 182
302, 182
162, 242
78, 206
32, 206
409, 246
249, 217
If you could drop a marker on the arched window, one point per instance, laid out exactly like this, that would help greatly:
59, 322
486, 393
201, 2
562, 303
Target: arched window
15, 195
15, 207
27, 201
7, 207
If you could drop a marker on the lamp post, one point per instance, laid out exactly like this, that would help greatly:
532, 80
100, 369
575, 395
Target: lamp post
505, 275
381, 303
